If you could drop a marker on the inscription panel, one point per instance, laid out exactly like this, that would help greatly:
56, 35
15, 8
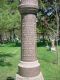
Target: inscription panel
29, 38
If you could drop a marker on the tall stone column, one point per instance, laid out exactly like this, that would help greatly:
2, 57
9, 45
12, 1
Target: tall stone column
28, 68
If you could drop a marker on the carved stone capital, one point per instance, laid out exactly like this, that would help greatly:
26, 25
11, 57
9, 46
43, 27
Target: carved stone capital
28, 6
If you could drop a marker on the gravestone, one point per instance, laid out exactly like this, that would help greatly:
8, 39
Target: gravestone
53, 47
29, 67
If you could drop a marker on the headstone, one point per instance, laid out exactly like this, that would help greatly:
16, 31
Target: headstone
28, 68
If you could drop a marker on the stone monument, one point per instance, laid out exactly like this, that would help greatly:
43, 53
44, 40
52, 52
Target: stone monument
53, 48
28, 68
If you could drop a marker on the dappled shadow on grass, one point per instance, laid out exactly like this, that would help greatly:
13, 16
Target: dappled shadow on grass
3, 63
47, 56
10, 44
2, 54
49, 60
3, 59
10, 78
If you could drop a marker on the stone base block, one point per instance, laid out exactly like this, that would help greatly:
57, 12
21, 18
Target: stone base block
39, 77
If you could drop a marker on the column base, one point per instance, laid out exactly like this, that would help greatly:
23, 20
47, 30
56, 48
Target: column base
28, 69
39, 77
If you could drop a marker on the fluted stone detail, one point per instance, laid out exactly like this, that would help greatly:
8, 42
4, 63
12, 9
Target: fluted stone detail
28, 68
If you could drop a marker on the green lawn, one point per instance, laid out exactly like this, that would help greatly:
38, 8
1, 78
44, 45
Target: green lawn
9, 59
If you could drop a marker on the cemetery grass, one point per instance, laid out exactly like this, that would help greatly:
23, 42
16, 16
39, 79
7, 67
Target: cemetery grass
10, 56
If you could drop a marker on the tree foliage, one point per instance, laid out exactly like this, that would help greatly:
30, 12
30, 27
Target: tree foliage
47, 16
9, 14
